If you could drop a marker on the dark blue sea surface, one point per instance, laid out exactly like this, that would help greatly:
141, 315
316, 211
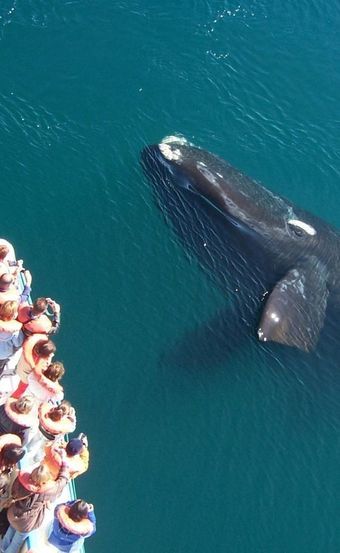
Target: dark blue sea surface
192, 450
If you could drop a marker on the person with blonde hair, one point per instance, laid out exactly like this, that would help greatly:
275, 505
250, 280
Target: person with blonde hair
32, 492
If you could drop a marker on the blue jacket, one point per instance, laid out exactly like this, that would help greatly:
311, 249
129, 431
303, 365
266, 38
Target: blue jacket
64, 539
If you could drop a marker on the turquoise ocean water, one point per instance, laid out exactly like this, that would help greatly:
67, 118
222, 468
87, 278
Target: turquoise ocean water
237, 454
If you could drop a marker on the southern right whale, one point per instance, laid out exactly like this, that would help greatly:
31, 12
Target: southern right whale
283, 262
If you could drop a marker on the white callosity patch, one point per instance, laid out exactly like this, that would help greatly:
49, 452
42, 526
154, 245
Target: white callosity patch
172, 154
174, 140
304, 226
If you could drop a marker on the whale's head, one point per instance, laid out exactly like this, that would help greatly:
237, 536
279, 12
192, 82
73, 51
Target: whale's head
177, 168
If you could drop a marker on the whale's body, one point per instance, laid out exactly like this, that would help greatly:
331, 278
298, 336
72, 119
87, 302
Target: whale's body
282, 263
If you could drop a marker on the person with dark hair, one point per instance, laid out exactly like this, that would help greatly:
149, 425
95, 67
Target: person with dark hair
77, 454
37, 353
10, 455
73, 522
35, 318
11, 452
54, 423
44, 383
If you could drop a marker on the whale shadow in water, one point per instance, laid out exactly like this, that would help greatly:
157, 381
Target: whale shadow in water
210, 345
215, 342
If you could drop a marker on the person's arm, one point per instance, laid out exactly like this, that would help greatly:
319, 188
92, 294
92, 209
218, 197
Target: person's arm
27, 288
72, 418
92, 517
18, 339
17, 267
56, 315
85, 457
63, 477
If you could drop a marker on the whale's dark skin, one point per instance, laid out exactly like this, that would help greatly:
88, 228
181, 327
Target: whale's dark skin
283, 262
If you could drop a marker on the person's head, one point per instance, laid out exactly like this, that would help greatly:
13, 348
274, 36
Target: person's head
39, 306
44, 349
55, 371
78, 510
10, 455
4, 250
5, 281
24, 404
74, 447
40, 476
9, 310
58, 412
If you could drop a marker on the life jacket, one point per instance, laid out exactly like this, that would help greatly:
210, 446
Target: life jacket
24, 478
12, 439
28, 360
76, 465
39, 325
49, 428
82, 528
18, 422
9, 295
42, 387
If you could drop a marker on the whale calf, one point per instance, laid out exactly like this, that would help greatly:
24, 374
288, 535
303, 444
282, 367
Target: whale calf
280, 262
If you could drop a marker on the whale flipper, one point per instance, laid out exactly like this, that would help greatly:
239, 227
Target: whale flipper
295, 310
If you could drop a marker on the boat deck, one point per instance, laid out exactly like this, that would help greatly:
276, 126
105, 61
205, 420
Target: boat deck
37, 540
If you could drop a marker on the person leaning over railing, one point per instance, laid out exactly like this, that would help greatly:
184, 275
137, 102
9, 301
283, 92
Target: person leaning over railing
37, 352
73, 522
32, 492
44, 383
77, 452
54, 422
34, 317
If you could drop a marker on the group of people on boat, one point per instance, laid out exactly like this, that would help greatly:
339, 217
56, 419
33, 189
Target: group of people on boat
34, 421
